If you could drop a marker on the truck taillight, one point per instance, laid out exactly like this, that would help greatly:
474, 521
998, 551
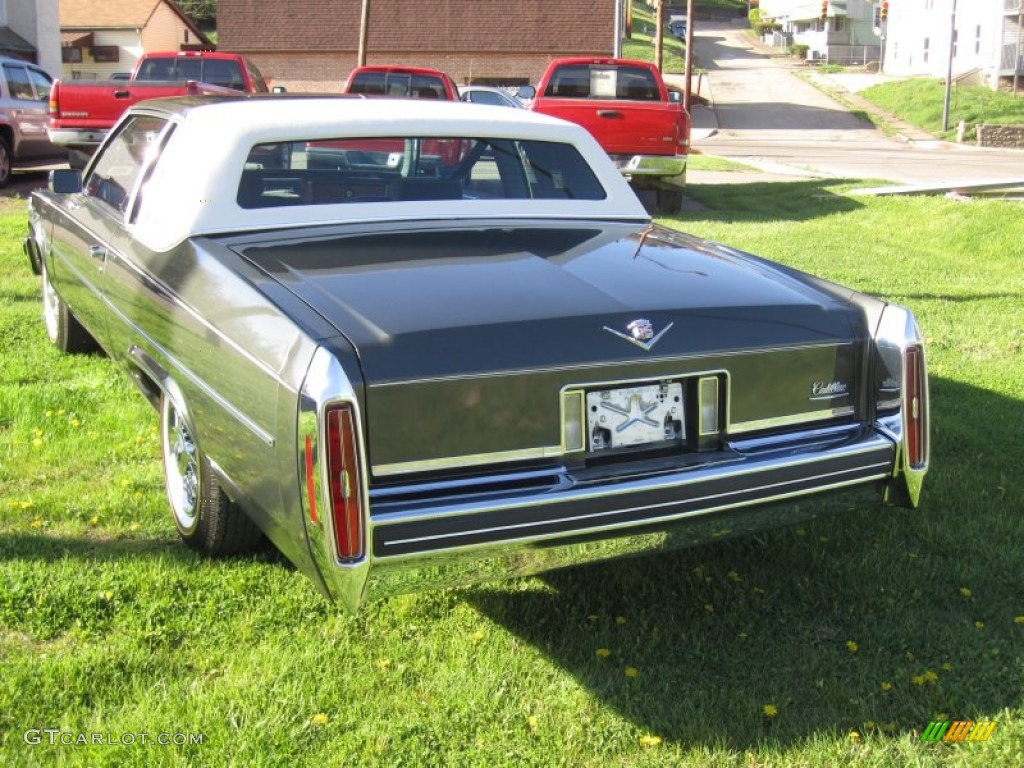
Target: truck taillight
53, 98
916, 407
345, 482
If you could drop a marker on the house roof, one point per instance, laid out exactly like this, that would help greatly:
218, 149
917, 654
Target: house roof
116, 14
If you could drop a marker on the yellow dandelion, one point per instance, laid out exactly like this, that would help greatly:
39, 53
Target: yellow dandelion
60, 412
631, 672
886, 685
917, 679
37, 522
320, 719
851, 646
979, 625
620, 620
602, 653
947, 667
135, 527
909, 656
36, 442
868, 725
854, 737
965, 591
383, 664
940, 716
75, 422
742, 635
106, 595
709, 608
930, 677
477, 636
733, 576
49, 414
1018, 619
94, 521
531, 721
769, 710
592, 618
650, 741
25, 505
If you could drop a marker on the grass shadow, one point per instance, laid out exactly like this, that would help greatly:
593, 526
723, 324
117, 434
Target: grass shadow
757, 201
878, 620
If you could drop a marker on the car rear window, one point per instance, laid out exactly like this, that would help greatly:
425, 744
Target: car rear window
400, 84
402, 169
603, 81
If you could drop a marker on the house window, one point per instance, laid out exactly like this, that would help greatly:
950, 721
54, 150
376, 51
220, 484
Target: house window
71, 55
838, 23
106, 53
927, 42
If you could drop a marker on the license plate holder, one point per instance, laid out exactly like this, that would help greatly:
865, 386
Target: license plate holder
637, 415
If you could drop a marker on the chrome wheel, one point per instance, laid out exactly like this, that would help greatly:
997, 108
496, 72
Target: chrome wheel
5, 162
182, 470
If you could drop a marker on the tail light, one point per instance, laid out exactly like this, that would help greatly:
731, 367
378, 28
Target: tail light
915, 404
345, 487
54, 110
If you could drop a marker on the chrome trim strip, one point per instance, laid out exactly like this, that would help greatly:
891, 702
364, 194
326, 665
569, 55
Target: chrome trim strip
883, 471
791, 420
469, 460
680, 479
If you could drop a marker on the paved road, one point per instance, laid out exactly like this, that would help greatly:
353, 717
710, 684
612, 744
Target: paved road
764, 113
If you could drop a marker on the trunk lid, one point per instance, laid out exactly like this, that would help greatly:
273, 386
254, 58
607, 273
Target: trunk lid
467, 336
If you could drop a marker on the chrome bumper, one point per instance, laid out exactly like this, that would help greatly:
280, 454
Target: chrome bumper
650, 165
86, 140
448, 537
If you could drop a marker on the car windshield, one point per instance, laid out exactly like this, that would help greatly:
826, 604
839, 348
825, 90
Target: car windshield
401, 169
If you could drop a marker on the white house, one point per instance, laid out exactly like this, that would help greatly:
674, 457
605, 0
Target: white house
848, 33
984, 39
29, 30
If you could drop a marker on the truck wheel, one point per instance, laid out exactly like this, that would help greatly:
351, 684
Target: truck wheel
5, 161
206, 519
62, 327
669, 200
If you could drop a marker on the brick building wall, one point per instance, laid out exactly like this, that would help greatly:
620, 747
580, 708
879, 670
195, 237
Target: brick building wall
311, 45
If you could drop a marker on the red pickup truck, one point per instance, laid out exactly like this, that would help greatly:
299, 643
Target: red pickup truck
627, 108
82, 111
403, 82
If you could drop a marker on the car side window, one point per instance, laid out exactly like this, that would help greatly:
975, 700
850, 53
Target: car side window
18, 84
123, 160
42, 82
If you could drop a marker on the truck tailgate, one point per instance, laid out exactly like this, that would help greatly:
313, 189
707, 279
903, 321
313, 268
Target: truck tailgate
623, 127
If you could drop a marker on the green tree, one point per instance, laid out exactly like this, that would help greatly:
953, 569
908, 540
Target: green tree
202, 12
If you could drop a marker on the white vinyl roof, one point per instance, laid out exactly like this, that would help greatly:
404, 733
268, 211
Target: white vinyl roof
193, 188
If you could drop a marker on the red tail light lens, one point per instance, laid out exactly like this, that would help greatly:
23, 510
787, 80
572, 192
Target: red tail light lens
53, 99
345, 480
916, 405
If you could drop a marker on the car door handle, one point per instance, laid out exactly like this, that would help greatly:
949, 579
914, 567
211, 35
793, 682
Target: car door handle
122, 94
608, 113
98, 251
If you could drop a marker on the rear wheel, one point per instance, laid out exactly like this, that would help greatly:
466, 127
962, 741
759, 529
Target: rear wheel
62, 327
6, 161
206, 519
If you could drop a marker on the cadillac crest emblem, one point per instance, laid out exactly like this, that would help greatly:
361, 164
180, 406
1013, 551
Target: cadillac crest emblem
641, 333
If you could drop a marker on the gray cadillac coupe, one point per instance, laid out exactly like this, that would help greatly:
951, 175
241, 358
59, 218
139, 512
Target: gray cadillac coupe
418, 346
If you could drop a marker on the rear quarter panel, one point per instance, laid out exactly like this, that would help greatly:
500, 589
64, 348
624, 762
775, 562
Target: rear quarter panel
621, 127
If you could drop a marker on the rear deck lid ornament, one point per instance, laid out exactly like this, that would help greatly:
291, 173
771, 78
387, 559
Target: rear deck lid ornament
641, 333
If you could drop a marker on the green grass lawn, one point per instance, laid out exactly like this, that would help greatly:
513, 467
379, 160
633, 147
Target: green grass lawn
919, 101
833, 643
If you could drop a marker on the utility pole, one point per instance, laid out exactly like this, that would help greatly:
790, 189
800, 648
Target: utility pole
688, 68
659, 35
364, 25
1018, 61
949, 69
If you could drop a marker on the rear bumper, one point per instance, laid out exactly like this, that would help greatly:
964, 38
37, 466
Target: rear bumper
85, 140
448, 537
650, 165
